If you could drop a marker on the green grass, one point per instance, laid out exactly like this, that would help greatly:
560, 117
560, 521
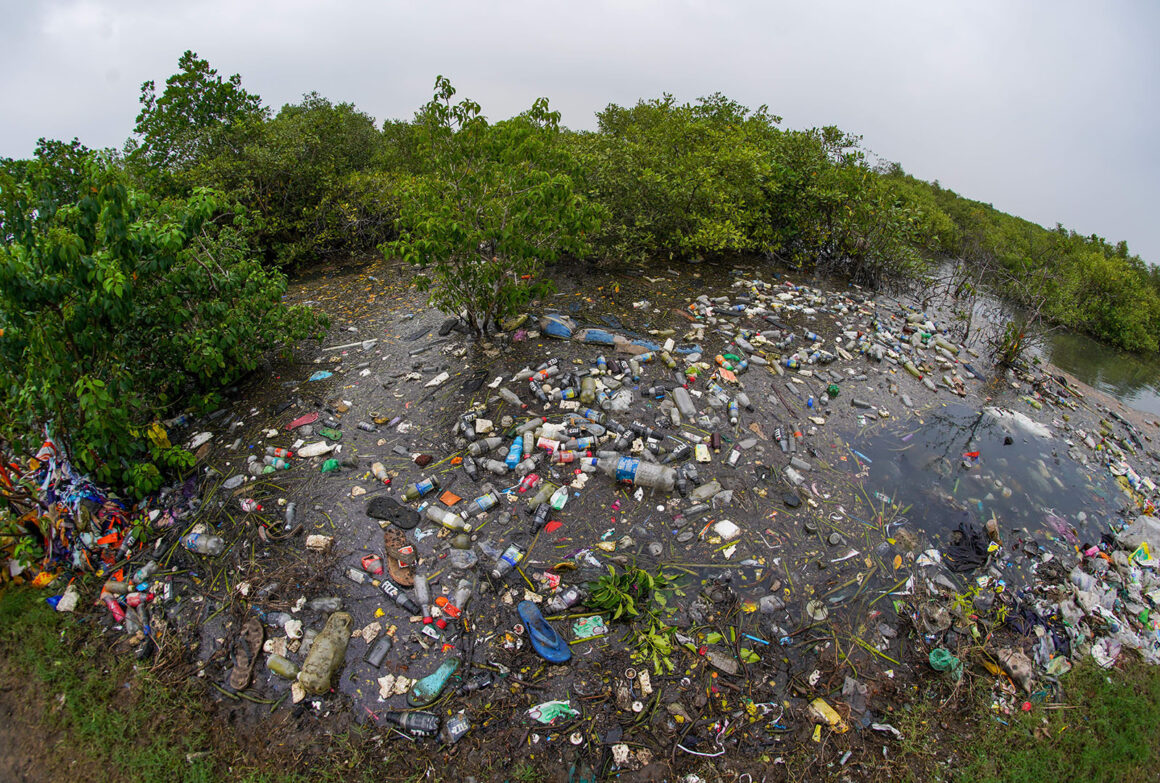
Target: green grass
128, 726
117, 717
1108, 733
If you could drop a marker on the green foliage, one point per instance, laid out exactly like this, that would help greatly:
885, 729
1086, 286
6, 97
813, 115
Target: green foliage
680, 180
115, 307
627, 593
714, 178
197, 116
636, 595
1059, 276
309, 177
490, 206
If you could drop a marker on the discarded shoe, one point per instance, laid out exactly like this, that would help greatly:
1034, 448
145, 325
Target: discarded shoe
427, 690
400, 557
390, 510
546, 642
246, 649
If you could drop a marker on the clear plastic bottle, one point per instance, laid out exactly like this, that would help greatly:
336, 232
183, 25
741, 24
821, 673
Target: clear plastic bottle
481, 504
684, 402
204, 544
425, 723
495, 466
510, 396
507, 561
420, 488
448, 519
642, 474
481, 447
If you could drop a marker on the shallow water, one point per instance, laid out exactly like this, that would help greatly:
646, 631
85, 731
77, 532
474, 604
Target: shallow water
1133, 379
919, 464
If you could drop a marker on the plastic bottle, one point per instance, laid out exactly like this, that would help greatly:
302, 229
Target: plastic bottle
510, 396
734, 412
470, 468
380, 472
684, 402
454, 729
204, 544
642, 474
326, 655
420, 488
249, 505
545, 374
143, 573
507, 561
680, 452
565, 600
448, 519
425, 723
481, 504
276, 452
594, 415
481, 447
544, 493
495, 466
515, 452
276, 462
378, 651
282, 667
540, 518
399, 597
587, 390
705, 491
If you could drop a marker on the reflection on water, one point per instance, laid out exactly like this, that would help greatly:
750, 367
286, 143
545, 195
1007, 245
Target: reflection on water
1131, 378
1033, 489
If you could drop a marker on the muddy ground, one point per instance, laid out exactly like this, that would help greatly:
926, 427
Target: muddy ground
815, 597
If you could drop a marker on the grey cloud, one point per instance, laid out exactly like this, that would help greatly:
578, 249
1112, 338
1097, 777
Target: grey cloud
1045, 109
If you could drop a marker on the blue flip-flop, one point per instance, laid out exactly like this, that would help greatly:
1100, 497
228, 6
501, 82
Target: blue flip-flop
545, 641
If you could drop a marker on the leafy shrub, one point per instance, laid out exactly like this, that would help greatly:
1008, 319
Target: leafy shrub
115, 307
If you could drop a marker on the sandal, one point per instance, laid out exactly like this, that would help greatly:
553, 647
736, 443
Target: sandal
400, 557
246, 649
387, 508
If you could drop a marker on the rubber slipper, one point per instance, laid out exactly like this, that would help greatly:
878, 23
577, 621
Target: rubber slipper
387, 508
246, 649
427, 690
545, 641
400, 557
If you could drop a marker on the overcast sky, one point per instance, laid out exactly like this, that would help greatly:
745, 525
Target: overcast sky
1048, 110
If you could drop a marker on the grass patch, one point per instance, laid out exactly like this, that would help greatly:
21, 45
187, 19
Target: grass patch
116, 718
128, 726
1107, 733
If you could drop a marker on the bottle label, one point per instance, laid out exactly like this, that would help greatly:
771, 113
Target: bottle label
626, 468
511, 556
425, 486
